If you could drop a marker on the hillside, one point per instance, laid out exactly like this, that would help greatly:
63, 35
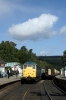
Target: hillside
53, 60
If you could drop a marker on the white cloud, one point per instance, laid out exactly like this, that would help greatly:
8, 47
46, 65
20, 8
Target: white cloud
8, 7
63, 30
5, 7
50, 51
34, 29
44, 53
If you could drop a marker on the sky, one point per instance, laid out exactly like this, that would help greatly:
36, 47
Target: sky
36, 24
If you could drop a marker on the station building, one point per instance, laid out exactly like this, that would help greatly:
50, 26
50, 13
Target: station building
2, 66
15, 66
11, 64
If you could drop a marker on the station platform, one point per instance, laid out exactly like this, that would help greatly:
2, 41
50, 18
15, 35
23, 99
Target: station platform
61, 77
6, 80
60, 80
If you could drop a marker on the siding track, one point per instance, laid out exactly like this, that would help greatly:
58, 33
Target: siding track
53, 92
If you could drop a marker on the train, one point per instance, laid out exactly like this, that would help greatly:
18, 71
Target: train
51, 72
31, 72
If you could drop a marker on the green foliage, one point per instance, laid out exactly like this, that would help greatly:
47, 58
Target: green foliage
55, 61
23, 54
9, 53
64, 57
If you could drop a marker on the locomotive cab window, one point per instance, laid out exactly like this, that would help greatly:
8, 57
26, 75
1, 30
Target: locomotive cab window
33, 66
25, 66
29, 65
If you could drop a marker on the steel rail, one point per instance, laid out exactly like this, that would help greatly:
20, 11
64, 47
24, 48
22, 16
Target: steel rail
25, 94
47, 93
10, 88
58, 87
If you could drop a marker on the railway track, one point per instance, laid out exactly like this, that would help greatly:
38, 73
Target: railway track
53, 92
4, 91
42, 90
58, 87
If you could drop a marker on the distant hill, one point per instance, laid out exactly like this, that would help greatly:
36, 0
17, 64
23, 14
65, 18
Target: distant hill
54, 60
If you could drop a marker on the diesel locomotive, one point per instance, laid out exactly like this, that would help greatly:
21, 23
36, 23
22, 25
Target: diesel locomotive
31, 72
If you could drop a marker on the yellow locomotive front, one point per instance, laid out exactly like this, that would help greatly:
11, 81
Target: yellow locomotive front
28, 72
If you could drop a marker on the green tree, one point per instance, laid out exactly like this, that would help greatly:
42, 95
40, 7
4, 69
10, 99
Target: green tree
7, 50
23, 54
30, 54
64, 58
9, 53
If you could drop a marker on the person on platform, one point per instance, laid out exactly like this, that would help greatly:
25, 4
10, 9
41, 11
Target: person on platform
17, 72
8, 73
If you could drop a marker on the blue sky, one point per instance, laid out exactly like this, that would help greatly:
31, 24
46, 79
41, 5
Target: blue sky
37, 24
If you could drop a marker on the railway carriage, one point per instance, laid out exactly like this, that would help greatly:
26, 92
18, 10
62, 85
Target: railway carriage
31, 72
50, 72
